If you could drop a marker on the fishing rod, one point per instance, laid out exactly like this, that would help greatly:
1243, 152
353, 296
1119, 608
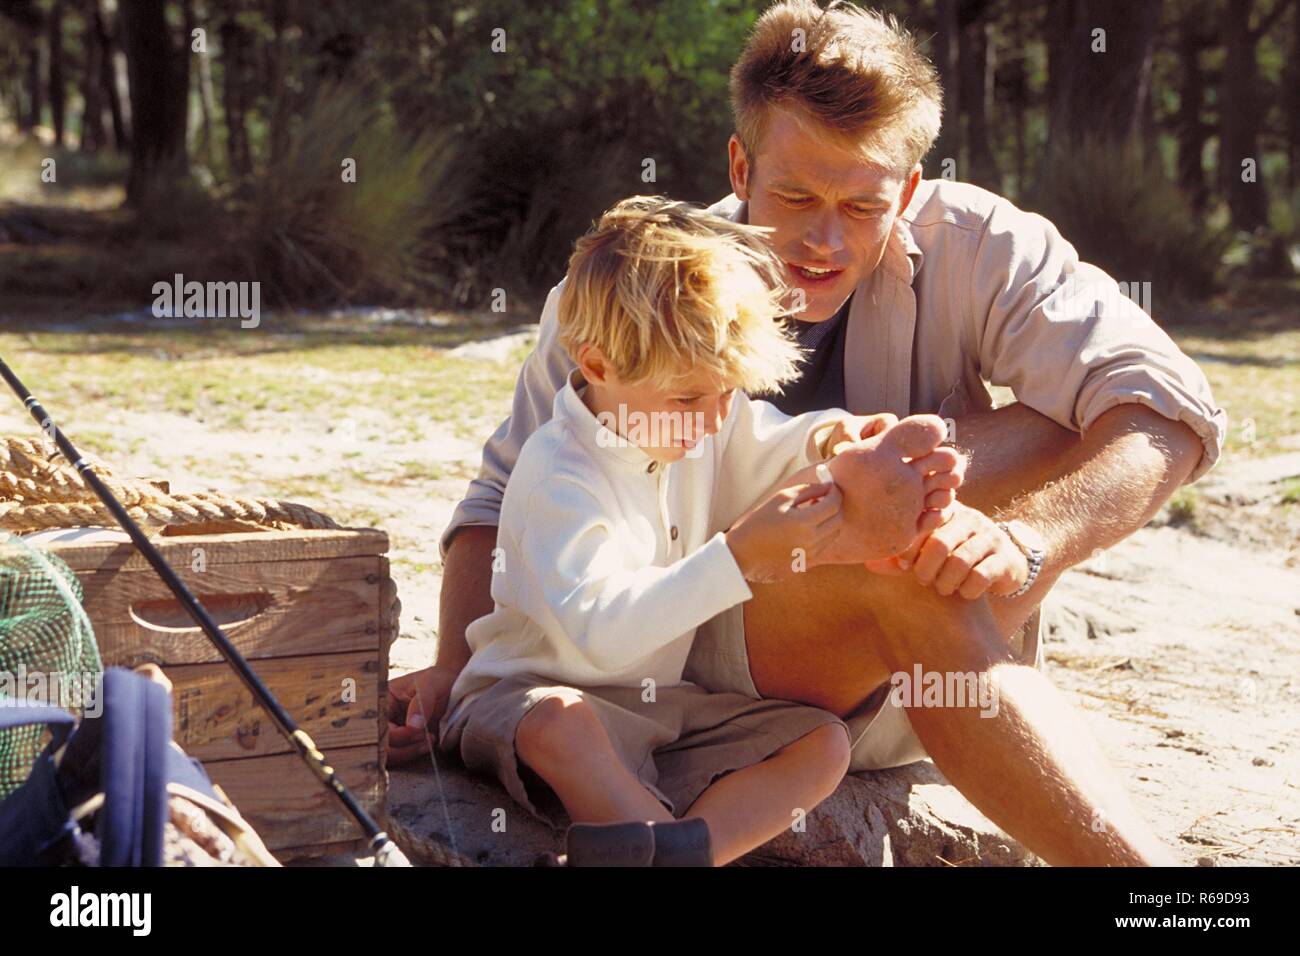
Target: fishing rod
386, 852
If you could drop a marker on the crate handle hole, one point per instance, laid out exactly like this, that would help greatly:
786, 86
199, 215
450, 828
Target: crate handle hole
228, 610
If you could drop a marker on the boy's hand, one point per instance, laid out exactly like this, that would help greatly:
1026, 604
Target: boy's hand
897, 485
856, 428
967, 555
941, 483
767, 540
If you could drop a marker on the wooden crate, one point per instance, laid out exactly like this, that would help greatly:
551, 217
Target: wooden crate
313, 612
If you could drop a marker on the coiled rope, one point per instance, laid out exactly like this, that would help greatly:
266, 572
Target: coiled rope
39, 490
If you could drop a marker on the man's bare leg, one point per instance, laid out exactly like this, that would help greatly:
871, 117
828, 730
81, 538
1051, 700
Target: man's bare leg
831, 636
836, 669
1033, 768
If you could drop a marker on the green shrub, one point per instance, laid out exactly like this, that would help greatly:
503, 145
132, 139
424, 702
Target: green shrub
527, 210
310, 236
1126, 216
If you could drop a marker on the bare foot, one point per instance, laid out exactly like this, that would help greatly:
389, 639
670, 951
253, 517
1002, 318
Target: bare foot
888, 482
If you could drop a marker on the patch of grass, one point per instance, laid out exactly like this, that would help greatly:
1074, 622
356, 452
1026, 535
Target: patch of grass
422, 471
341, 216
1183, 507
80, 179
1291, 491
1252, 361
232, 378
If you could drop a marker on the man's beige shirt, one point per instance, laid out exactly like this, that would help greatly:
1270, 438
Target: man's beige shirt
971, 290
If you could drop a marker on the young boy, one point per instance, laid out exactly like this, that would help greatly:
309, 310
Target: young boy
604, 565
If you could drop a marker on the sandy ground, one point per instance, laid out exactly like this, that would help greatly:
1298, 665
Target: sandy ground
1181, 645
1181, 648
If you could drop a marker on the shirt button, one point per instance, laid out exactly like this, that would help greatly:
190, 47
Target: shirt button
673, 532
653, 466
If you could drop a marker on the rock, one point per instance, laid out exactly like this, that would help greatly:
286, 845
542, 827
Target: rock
847, 829
487, 826
908, 816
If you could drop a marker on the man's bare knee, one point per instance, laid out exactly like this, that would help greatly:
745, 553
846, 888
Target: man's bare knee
917, 625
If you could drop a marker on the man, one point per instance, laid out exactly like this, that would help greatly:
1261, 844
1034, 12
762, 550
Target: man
915, 294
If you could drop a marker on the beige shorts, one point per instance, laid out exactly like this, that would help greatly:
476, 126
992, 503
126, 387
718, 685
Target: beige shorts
881, 734
676, 745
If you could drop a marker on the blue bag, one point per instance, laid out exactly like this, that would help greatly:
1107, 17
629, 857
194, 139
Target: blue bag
121, 771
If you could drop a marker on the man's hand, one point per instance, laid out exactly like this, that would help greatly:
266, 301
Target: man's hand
416, 702
967, 555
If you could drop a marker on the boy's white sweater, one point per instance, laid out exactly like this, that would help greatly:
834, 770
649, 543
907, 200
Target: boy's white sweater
606, 563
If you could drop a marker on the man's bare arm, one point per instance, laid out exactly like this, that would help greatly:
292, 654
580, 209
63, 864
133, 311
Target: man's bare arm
466, 591
1013, 450
1081, 494
1109, 484
418, 700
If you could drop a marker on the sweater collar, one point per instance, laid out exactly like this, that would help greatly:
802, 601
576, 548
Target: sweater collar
603, 442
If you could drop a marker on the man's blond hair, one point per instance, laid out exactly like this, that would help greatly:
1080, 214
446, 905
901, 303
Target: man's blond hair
858, 75
665, 289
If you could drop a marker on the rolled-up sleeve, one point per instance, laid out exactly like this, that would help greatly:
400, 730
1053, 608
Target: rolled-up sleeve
542, 375
1061, 335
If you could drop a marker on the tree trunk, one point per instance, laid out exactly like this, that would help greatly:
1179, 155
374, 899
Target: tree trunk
278, 70
235, 62
108, 80
1018, 93
207, 104
58, 89
1101, 94
976, 56
93, 134
1191, 128
1240, 112
948, 145
158, 71
35, 85
1293, 105
1059, 27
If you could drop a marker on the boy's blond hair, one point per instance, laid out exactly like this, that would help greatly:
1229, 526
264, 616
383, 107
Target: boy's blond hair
858, 75
664, 289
